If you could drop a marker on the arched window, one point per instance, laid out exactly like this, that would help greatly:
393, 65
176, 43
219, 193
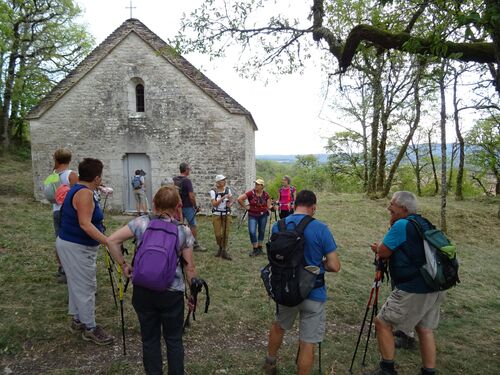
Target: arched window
139, 98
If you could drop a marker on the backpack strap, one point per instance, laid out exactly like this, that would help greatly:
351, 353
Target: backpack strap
303, 224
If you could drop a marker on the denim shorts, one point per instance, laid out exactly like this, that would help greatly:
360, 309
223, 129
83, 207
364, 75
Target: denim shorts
189, 214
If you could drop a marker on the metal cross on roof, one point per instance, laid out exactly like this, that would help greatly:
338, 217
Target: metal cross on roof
130, 7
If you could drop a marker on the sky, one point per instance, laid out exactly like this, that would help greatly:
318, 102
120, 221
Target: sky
286, 110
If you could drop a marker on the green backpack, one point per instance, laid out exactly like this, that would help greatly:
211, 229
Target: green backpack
50, 185
440, 270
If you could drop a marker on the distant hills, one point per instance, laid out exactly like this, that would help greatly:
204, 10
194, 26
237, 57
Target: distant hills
322, 158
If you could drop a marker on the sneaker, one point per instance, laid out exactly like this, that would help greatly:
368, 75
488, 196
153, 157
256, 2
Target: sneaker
256, 251
98, 336
61, 276
225, 255
198, 248
77, 326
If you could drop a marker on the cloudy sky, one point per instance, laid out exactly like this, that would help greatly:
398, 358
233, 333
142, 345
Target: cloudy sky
286, 112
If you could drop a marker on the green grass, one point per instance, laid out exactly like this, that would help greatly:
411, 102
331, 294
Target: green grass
34, 334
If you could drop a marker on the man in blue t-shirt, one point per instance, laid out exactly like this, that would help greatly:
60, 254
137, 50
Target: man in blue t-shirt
412, 304
319, 251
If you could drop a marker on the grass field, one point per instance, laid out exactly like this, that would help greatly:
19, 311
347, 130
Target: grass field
231, 339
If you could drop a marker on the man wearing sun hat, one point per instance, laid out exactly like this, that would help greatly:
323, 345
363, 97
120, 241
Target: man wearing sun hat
258, 206
221, 199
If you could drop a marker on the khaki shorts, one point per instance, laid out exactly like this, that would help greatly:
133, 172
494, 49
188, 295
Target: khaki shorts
140, 196
405, 311
312, 320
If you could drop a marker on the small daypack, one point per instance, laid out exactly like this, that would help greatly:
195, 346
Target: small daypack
217, 196
287, 279
155, 261
440, 270
54, 189
136, 182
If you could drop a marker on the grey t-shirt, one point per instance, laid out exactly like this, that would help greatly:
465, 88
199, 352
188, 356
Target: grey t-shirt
186, 240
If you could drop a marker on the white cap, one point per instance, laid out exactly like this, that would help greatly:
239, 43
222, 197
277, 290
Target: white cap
219, 177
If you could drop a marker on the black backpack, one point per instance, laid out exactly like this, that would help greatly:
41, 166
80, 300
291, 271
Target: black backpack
287, 279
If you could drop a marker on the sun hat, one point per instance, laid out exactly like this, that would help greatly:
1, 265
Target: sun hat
259, 181
219, 177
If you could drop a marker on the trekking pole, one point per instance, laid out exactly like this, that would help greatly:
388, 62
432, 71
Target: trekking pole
375, 288
378, 278
242, 218
121, 290
224, 227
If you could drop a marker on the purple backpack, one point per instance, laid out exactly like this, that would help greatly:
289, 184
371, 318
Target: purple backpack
155, 261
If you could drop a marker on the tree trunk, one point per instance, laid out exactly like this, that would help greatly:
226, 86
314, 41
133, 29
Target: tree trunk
431, 155
382, 158
454, 149
442, 126
459, 195
409, 137
9, 85
417, 172
377, 108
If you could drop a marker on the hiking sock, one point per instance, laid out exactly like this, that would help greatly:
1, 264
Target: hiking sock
427, 371
388, 365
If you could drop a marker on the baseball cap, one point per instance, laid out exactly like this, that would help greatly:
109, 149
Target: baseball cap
259, 181
219, 177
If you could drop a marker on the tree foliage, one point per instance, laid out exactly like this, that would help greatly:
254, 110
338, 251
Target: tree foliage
40, 42
460, 30
484, 149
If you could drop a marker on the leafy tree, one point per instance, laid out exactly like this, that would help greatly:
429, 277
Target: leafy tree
39, 44
484, 149
467, 31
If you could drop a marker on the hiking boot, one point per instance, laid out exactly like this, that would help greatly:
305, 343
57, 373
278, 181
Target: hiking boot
76, 326
269, 369
256, 251
225, 255
98, 336
61, 276
381, 371
403, 341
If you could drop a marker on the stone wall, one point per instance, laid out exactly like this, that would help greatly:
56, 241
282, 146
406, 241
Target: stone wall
180, 123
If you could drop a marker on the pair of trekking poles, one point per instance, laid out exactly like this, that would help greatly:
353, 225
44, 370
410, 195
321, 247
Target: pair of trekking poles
380, 270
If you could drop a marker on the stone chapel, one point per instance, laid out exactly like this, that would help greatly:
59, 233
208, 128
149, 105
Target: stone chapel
134, 103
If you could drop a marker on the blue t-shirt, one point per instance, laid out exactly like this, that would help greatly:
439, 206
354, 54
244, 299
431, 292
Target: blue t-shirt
319, 243
407, 256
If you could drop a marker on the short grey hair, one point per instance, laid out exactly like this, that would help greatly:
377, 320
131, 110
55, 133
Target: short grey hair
407, 200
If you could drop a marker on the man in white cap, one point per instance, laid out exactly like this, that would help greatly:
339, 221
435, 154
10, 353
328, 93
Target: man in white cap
222, 200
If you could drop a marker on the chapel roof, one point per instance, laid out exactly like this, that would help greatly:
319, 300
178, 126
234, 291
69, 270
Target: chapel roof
163, 49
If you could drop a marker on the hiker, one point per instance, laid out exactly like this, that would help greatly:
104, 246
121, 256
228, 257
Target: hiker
319, 251
62, 159
222, 200
259, 204
189, 206
139, 191
412, 304
80, 233
161, 312
286, 197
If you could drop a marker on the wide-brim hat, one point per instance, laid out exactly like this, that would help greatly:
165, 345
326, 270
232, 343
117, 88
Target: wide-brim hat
259, 181
219, 177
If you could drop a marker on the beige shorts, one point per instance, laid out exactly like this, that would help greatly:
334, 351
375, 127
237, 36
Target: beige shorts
405, 311
312, 320
140, 196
